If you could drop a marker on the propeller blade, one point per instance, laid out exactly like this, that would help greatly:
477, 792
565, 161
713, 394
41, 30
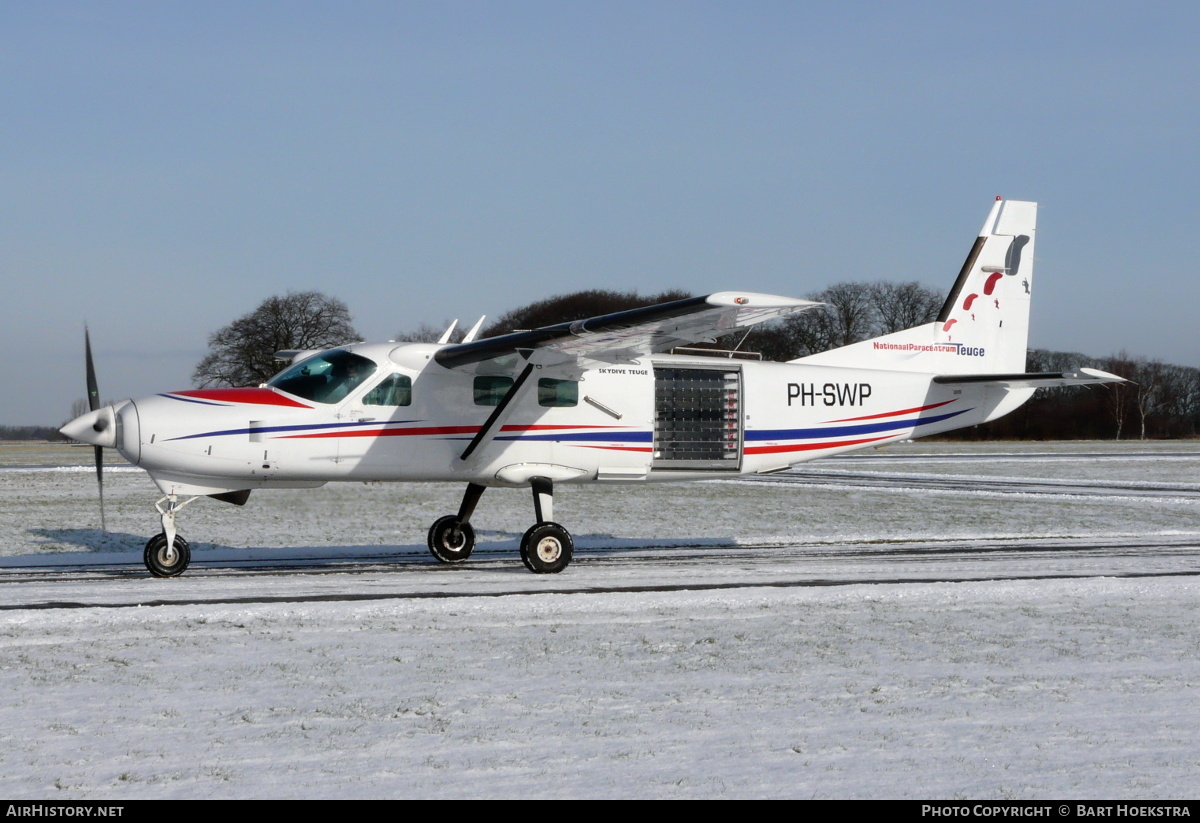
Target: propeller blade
93, 392
100, 484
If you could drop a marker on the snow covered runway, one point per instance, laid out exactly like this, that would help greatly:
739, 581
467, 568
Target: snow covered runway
352, 665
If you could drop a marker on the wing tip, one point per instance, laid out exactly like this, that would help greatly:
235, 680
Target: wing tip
749, 299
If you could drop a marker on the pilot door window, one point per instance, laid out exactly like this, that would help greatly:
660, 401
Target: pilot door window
395, 390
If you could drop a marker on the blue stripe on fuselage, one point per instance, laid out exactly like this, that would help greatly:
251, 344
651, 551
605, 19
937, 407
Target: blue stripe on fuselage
599, 437
296, 428
847, 431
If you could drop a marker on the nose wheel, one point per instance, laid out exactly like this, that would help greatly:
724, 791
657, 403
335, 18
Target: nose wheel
164, 563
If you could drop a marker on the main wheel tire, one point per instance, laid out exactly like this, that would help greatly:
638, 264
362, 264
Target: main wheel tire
451, 541
156, 556
547, 548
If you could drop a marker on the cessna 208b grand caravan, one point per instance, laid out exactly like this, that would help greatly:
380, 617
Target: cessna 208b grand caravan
603, 400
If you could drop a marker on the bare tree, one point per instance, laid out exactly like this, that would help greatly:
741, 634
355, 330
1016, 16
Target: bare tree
1173, 401
900, 306
805, 333
849, 312
1184, 396
241, 354
426, 333
1148, 391
1120, 394
847, 317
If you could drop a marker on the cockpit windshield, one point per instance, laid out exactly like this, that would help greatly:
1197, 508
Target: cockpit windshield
326, 377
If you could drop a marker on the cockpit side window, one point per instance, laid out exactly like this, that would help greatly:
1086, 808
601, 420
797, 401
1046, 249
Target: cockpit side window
326, 377
395, 390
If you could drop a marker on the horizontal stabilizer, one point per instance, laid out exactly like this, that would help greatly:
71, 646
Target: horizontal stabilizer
1034, 380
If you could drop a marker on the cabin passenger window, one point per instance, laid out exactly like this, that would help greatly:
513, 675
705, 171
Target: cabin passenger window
558, 393
396, 390
490, 389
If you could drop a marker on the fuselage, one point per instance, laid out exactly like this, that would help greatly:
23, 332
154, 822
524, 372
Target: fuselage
660, 418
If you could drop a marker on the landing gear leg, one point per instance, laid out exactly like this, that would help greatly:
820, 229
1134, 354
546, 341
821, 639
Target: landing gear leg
547, 547
167, 554
451, 538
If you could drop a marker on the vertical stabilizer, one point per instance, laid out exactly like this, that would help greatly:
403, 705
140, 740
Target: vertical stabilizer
983, 326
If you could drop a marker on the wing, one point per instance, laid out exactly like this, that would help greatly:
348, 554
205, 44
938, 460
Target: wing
622, 336
1034, 380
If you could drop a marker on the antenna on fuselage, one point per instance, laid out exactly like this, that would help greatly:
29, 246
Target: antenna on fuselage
474, 329
445, 338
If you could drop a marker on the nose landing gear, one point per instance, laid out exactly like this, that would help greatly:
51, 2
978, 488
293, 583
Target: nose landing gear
167, 554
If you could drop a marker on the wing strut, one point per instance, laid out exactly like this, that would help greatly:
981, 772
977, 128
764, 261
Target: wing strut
485, 431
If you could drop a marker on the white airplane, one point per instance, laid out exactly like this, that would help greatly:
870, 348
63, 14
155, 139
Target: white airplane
602, 400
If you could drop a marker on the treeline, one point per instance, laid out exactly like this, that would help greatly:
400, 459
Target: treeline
1161, 401
30, 433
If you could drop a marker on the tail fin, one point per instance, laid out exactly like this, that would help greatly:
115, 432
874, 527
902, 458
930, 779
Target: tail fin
983, 327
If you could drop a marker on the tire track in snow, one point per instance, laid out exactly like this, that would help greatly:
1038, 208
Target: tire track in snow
1003, 485
1177, 549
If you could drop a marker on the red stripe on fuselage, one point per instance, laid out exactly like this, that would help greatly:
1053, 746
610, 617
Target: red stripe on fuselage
803, 447
253, 396
891, 414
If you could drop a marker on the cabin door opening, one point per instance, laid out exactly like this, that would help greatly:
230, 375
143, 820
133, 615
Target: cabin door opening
697, 419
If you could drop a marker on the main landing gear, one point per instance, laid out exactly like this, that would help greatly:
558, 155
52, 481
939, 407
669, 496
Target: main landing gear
545, 549
451, 538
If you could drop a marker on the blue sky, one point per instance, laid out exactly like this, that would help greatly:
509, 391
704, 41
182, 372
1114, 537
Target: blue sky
167, 166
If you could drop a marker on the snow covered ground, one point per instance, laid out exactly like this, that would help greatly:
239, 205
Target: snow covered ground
924, 621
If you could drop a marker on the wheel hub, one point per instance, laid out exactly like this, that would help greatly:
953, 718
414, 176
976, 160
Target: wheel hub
548, 549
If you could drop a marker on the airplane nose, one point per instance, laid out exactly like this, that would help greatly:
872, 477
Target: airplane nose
97, 428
